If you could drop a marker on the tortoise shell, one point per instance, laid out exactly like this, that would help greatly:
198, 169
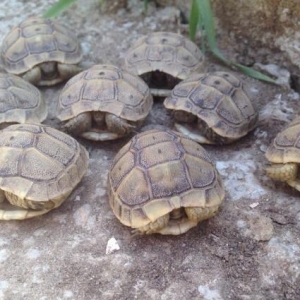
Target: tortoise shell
20, 102
37, 40
40, 163
285, 148
220, 99
105, 88
159, 171
166, 52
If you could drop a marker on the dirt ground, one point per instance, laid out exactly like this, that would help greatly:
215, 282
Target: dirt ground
249, 251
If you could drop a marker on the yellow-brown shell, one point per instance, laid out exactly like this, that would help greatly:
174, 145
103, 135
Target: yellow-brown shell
167, 52
37, 40
40, 163
220, 99
157, 172
105, 88
20, 101
285, 148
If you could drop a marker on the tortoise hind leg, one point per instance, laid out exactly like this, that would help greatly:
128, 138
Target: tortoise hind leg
283, 172
194, 216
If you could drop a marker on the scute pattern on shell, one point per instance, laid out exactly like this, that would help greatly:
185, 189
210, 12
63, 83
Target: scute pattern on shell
20, 102
38, 40
285, 147
167, 52
39, 162
105, 88
158, 171
219, 99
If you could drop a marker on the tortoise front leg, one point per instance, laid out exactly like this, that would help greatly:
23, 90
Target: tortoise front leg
33, 76
2, 196
79, 124
193, 134
11, 212
118, 125
178, 227
199, 214
67, 71
188, 130
294, 183
153, 227
194, 216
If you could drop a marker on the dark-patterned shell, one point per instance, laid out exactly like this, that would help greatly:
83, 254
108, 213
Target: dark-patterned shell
105, 88
220, 99
285, 148
167, 52
20, 102
39, 162
157, 172
38, 40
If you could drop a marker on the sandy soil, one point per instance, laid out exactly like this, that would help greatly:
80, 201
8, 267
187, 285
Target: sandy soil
249, 251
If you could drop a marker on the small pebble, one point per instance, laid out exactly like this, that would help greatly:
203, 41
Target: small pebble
253, 205
112, 246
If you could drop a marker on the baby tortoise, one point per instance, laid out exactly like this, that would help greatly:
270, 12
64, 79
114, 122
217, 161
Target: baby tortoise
41, 51
104, 103
163, 59
213, 108
284, 155
162, 182
20, 102
39, 168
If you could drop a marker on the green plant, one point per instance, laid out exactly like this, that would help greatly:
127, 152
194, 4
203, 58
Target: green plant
62, 5
57, 8
201, 16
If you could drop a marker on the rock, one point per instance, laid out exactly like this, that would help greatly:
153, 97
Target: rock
261, 228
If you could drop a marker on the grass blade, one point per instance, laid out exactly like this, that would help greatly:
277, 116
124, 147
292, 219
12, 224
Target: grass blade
206, 18
57, 8
194, 20
253, 73
145, 6
206, 14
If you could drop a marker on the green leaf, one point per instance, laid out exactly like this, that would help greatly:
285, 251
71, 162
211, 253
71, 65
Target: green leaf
208, 22
194, 20
57, 8
253, 73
